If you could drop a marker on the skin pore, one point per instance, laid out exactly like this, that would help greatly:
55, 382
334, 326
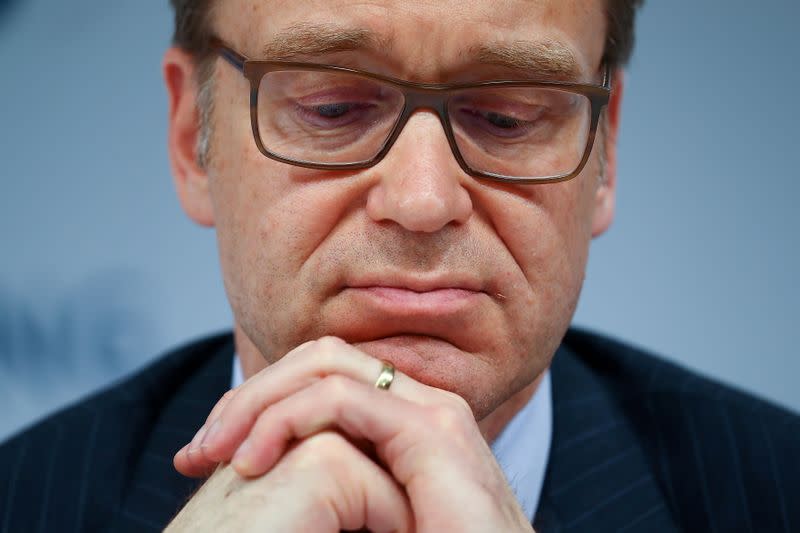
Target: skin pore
298, 246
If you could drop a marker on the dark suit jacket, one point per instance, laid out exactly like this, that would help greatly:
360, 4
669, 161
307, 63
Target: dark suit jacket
639, 444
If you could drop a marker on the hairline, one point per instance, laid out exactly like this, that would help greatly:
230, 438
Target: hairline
547, 57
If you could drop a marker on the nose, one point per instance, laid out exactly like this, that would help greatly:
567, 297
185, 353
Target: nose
420, 185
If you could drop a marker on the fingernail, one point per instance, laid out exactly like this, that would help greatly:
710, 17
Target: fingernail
194, 445
209, 437
240, 459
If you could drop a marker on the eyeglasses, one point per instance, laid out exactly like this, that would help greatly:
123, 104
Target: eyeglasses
337, 118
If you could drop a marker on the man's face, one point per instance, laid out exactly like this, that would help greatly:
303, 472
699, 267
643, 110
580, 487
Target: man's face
466, 285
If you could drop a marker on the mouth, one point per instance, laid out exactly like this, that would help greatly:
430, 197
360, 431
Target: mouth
398, 300
415, 297
440, 311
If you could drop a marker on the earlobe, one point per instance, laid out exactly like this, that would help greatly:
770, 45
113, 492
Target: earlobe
605, 196
191, 180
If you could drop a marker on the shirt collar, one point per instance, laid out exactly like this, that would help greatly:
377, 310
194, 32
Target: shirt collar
522, 448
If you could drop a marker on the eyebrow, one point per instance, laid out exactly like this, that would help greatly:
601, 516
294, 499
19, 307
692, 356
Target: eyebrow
317, 39
542, 58
548, 58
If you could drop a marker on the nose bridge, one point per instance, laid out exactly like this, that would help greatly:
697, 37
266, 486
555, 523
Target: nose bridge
432, 100
420, 184
422, 99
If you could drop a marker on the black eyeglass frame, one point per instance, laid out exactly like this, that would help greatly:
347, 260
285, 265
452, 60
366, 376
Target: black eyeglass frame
433, 96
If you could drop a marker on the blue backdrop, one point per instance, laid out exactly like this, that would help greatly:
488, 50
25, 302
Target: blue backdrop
100, 270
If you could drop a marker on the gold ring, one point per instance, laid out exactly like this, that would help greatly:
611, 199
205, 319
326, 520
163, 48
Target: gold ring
386, 377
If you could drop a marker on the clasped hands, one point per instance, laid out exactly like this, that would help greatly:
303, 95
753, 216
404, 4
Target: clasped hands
309, 444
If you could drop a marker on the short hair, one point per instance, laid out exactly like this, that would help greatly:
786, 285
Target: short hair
193, 29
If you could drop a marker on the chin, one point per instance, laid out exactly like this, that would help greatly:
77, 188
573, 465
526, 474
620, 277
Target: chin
440, 364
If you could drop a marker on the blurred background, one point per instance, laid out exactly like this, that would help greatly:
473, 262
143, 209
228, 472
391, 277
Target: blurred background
100, 270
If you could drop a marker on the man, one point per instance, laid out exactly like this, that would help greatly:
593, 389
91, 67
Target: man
404, 194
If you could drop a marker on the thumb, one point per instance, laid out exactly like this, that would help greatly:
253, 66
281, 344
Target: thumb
354, 492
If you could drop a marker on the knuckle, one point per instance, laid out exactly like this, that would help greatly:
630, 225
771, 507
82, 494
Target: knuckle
324, 448
328, 441
460, 403
330, 343
336, 387
327, 350
451, 417
228, 395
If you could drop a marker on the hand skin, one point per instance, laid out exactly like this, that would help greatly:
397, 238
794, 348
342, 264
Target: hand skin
428, 446
322, 484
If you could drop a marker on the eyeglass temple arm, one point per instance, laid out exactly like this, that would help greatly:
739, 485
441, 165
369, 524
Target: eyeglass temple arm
232, 57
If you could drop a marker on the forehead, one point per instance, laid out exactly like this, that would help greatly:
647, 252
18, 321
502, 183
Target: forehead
426, 39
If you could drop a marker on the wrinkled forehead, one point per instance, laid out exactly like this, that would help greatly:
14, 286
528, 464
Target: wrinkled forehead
424, 40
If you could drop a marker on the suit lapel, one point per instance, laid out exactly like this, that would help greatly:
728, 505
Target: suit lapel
598, 477
156, 491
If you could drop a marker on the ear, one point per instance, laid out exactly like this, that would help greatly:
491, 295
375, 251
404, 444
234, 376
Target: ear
191, 181
605, 197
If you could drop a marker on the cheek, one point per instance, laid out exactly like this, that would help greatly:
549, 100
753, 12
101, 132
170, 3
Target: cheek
273, 219
546, 229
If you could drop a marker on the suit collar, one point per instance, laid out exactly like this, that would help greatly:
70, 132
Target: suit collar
598, 476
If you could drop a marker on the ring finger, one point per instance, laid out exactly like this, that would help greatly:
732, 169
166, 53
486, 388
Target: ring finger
299, 369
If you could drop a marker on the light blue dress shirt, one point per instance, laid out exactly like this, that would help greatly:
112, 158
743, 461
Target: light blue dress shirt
521, 449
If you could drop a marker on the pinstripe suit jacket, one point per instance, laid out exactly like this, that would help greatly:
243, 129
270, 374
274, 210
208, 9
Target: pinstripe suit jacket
638, 444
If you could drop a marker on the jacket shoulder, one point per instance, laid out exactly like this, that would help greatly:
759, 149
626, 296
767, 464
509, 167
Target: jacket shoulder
71, 467
726, 458
638, 372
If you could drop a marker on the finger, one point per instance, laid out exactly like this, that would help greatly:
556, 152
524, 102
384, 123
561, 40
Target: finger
190, 460
358, 411
220, 405
323, 484
187, 460
355, 492
298, 370
192, 464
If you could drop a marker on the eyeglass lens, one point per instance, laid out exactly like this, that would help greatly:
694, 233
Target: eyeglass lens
337, 118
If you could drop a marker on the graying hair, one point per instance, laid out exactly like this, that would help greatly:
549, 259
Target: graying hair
601, 142
205, 106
